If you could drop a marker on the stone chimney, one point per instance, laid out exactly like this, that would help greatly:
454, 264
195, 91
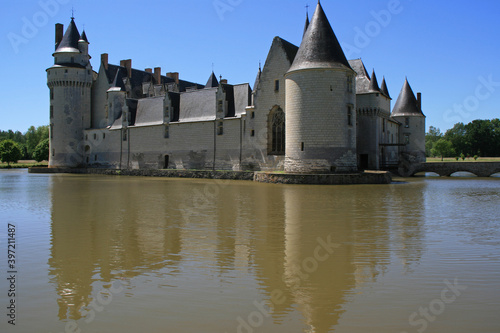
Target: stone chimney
59, 33
157, 75
148, 70
104, 60
128, 65
174, 76
419, 101
223, 81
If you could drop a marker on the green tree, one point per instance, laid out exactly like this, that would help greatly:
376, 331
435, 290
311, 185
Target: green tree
34, 136
10, 152
41, 152
456, 136
431, 137
443, 148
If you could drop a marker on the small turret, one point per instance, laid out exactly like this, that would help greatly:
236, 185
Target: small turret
409, 114
374, 83
212, 81
384, 90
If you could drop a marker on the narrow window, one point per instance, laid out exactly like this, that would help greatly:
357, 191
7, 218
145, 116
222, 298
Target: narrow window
407, 122
277, 85
103, 136
95, 157
51, 131
51, 93
220, 106
383, 125
65, 71
302, 146
53, 152
125, 135
253, 114
407, 139
349, 83
51, 111
95, 136
349, 115
277, 132
220, 128
252, 133
166, 134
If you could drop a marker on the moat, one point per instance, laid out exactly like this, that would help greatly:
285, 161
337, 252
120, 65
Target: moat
128, 254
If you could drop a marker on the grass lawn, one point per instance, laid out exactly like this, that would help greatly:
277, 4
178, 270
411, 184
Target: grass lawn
452, 159
24, 164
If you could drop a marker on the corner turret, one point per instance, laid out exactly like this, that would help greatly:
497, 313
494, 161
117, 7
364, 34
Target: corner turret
320, 104
70, 82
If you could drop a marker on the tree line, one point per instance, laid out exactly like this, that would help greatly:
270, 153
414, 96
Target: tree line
479, 138
32, 145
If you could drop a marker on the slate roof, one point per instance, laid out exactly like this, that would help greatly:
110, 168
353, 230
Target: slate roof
69, 42
198, 105
84, 37
320, 47
374, 83
212, 81
118, 81
149, 111
290, 49
362, 77
139, 77
306, 25
384, 90
406, 105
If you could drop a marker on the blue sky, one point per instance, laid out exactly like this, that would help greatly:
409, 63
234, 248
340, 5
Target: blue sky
448, 50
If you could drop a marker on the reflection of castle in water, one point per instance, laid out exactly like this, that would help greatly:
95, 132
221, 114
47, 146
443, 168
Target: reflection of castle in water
109, 228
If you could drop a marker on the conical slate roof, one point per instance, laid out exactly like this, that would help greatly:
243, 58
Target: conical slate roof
384, 90
306, 25
406, 105
212, 81
320, 47
69, 42
374, 83
84, 37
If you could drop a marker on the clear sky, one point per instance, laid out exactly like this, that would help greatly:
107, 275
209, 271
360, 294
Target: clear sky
449, 50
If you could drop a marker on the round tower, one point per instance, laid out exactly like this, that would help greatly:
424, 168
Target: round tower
320, 104
70, 82
408, 112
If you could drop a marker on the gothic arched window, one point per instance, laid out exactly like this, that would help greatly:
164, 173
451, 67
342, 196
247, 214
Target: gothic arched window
277, 132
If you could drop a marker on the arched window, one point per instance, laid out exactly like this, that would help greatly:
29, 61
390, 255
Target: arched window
277, 132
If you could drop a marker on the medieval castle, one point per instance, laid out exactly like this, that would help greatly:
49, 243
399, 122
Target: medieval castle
310, 110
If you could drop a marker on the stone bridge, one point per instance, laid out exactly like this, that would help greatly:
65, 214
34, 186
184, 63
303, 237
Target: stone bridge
446, 169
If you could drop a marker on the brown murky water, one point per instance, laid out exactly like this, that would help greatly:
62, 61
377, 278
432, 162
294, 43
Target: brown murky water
124, 254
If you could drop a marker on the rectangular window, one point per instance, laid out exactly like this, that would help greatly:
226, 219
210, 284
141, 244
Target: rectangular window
166, 134
302, 146
349, 83
53, 152
51, 131
125, 135
252, 133
349, 115
407, 122
51, 111
253, 114
277, 85
220, 106
383, 125
95, 157
220, 128
407, 139
95, 136
51, 93
103, 136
